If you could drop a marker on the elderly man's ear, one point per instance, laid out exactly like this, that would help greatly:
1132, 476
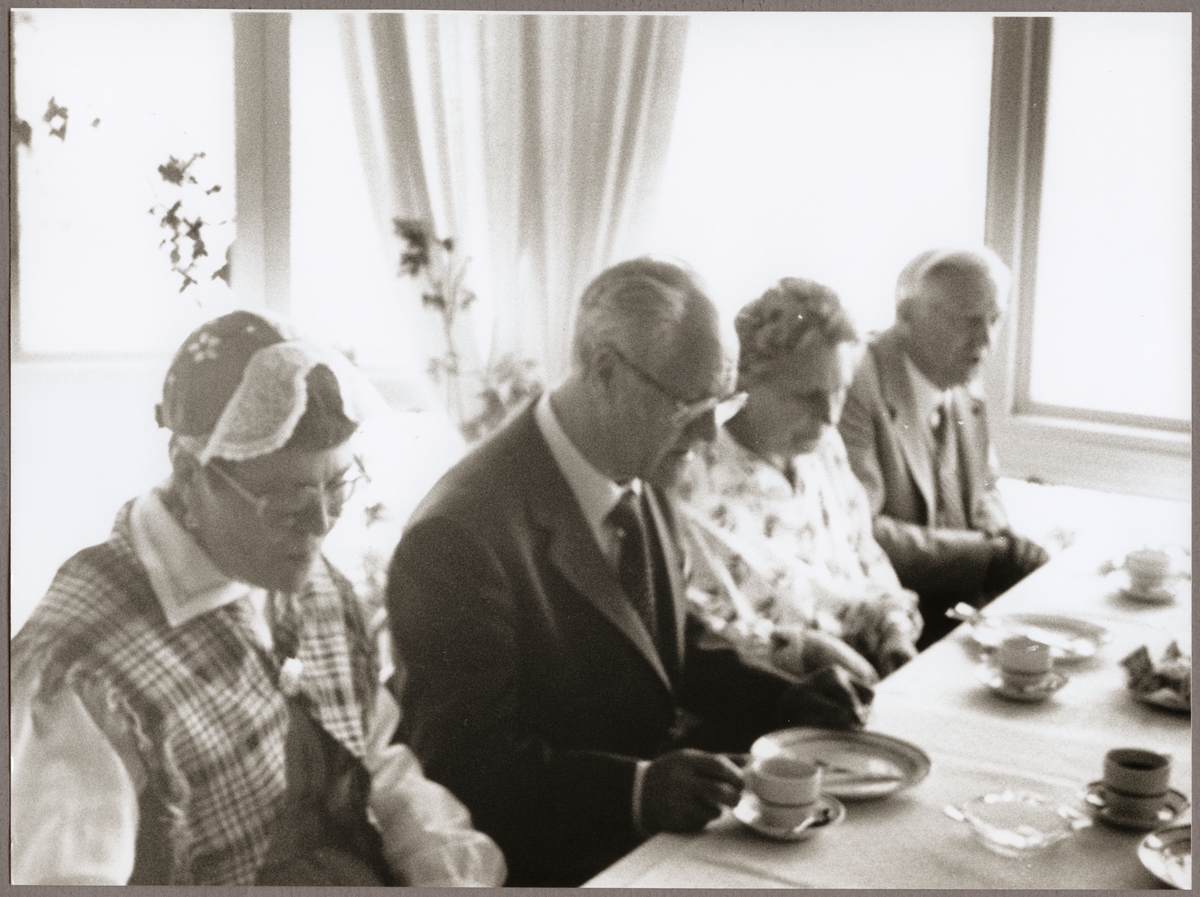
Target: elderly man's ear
600, 369
603, 364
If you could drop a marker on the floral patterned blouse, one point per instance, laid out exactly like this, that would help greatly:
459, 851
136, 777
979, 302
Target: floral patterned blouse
766, 553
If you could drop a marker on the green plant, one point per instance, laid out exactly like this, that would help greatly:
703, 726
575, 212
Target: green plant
501, 385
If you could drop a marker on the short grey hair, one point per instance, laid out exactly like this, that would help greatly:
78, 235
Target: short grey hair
636, 306
947, 265
771, 327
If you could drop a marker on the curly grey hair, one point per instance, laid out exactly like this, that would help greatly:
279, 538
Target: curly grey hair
948, 266
771, 327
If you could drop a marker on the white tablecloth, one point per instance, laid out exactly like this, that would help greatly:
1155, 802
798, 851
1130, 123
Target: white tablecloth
979, 743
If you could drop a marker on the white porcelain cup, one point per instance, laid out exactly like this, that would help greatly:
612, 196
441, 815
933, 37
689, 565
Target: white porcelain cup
1023, 661
786, 788
1147, 568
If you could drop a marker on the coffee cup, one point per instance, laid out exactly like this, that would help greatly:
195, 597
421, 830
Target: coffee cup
1137, 772
786, 788
1147, 569
1023, 661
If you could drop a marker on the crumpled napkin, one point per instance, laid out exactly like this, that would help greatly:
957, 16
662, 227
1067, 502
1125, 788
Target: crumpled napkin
1167, 683
829, 698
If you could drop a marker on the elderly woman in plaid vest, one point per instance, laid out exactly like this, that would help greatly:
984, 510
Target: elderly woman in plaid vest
196, 700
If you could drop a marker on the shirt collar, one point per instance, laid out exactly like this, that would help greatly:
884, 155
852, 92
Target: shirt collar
927, 396
185, 580
596, 493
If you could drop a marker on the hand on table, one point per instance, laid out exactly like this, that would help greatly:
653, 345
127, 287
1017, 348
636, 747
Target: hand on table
829, 698
1013, 558
801, 651
880, 629
686, 789
894, 654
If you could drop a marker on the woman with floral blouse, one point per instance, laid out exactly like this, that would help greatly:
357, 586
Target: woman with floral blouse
779, 527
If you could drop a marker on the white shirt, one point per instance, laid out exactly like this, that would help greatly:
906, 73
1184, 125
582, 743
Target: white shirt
928, 397
75, 798
597, 496
596, 493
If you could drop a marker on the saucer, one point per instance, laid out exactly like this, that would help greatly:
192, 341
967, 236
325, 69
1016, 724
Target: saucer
989, 674
1174, 803
1164, 593
828, 809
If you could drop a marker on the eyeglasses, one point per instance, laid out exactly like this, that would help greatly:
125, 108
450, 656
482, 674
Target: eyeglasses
283, 506
722, 407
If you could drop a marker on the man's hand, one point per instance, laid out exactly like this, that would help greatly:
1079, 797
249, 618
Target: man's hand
686, 789
1026, 554
830, 698
1013, 558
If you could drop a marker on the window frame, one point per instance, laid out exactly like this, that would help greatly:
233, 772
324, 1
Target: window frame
1115, 452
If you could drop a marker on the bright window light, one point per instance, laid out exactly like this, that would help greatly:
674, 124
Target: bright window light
133, 88
834, 146
345, 262
1112, 308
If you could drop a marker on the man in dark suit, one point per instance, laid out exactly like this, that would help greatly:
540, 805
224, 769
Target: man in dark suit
553, 680
916, 434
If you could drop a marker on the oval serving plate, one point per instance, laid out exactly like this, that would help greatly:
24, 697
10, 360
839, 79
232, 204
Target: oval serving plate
1167, 855
1071, 638
858, 765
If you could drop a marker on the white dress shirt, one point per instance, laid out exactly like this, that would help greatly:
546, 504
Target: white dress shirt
596, 493
75, 794
928, 397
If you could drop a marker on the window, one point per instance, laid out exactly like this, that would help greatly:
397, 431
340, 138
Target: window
105, 100
1089, 200
838, 145
1113, 292
834, 146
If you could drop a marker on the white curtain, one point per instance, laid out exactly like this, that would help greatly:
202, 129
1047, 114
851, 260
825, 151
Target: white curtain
536, 141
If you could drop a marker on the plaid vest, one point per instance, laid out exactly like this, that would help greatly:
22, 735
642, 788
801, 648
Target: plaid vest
199, 703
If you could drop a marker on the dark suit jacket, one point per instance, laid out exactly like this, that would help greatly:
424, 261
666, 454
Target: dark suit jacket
532, 687
892, 452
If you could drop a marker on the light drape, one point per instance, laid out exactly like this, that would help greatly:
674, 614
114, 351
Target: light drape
536, 141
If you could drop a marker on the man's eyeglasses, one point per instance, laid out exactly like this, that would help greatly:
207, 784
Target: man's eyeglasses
283, 506
722, 407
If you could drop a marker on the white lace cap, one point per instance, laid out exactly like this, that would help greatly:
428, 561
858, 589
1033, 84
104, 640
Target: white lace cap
272, 396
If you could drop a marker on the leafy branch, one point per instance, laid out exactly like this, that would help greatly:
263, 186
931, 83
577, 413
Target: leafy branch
186, 231
501, 385
426, 255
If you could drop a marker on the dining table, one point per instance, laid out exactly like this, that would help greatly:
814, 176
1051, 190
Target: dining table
979, 742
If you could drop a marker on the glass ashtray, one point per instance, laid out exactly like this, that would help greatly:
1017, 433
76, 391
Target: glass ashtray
1015, 823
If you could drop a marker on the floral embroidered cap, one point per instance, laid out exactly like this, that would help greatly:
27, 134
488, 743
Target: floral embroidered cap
239, 384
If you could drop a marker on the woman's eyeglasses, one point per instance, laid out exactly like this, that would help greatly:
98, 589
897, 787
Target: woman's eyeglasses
283, 506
